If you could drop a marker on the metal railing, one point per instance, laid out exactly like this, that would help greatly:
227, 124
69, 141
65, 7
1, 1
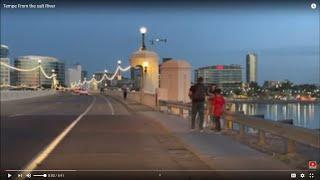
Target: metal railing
291, 134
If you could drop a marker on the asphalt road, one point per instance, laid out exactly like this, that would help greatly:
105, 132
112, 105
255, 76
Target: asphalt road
108, 140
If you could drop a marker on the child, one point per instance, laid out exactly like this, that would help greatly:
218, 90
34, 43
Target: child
218, 103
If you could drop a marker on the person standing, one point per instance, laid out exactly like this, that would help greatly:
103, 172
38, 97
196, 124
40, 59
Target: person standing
197, 93
211, 94
218, 103
125, 92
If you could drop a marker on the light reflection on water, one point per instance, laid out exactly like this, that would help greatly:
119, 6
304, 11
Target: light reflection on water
304, 115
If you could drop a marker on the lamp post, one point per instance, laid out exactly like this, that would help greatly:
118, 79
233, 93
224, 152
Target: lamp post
53, 79
145, 66
143, 31
39, 80
105, 73
119, 75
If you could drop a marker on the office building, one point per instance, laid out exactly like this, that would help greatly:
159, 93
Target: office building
73, 75
251, 67
4, 71
226, 77
31, 78
84, 75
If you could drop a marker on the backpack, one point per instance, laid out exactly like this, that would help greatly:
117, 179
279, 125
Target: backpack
199, 93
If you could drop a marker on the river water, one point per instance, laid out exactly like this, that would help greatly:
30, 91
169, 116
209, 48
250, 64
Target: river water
303, 114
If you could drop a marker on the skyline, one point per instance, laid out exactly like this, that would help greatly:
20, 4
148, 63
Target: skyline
98, 37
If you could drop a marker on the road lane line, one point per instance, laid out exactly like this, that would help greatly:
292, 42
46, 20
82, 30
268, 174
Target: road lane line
110, 105
48, 149
15, 115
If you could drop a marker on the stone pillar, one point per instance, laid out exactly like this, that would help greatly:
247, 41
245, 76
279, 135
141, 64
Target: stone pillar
176, 78
149, 61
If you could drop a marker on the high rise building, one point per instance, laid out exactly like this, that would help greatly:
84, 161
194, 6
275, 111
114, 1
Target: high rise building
251, 67
226, 77
31, 78
4, 71
84, 75
73, 75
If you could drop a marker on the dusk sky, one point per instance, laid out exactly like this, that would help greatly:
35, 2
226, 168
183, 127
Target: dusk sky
285, 37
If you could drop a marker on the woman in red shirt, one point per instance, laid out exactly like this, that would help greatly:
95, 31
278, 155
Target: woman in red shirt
218, 103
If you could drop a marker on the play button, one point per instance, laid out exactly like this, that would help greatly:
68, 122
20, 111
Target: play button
9, 175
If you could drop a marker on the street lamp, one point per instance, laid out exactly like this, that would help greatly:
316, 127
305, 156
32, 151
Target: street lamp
105, 73
39, 81
145, 66
143, 31
54, 79
119, 72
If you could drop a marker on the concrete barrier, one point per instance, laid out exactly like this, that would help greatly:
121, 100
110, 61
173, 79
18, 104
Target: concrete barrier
290, 134
16, 95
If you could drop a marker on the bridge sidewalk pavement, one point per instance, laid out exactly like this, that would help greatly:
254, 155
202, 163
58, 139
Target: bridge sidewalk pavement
219, 151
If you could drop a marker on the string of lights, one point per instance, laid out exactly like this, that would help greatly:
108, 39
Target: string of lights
18, 69
52, 76
45, 75
105, 76
28, 70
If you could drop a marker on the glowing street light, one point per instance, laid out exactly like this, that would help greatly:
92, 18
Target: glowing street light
145, 66
143, 31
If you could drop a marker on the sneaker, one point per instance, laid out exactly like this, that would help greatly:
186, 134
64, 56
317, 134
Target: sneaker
192, 130
201, 131
217, 132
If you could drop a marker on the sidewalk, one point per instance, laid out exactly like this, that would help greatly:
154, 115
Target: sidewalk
220, 152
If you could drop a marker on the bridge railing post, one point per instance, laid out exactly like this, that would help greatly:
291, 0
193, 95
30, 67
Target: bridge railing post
169, 109
291, 147
181, 111
241, 130
262, 137
229, 124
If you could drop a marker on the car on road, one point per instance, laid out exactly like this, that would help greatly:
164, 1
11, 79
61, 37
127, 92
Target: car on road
83, 92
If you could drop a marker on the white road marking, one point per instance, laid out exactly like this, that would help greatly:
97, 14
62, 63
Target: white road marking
48, 149
15, 115
110, 105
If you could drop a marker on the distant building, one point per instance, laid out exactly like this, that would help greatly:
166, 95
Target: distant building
4, 71
31, 78
272, 84
226, 77
251, 67
4, 51
73, 75
84, 74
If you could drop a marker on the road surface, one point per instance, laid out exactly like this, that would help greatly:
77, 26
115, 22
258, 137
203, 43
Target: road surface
92, 136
